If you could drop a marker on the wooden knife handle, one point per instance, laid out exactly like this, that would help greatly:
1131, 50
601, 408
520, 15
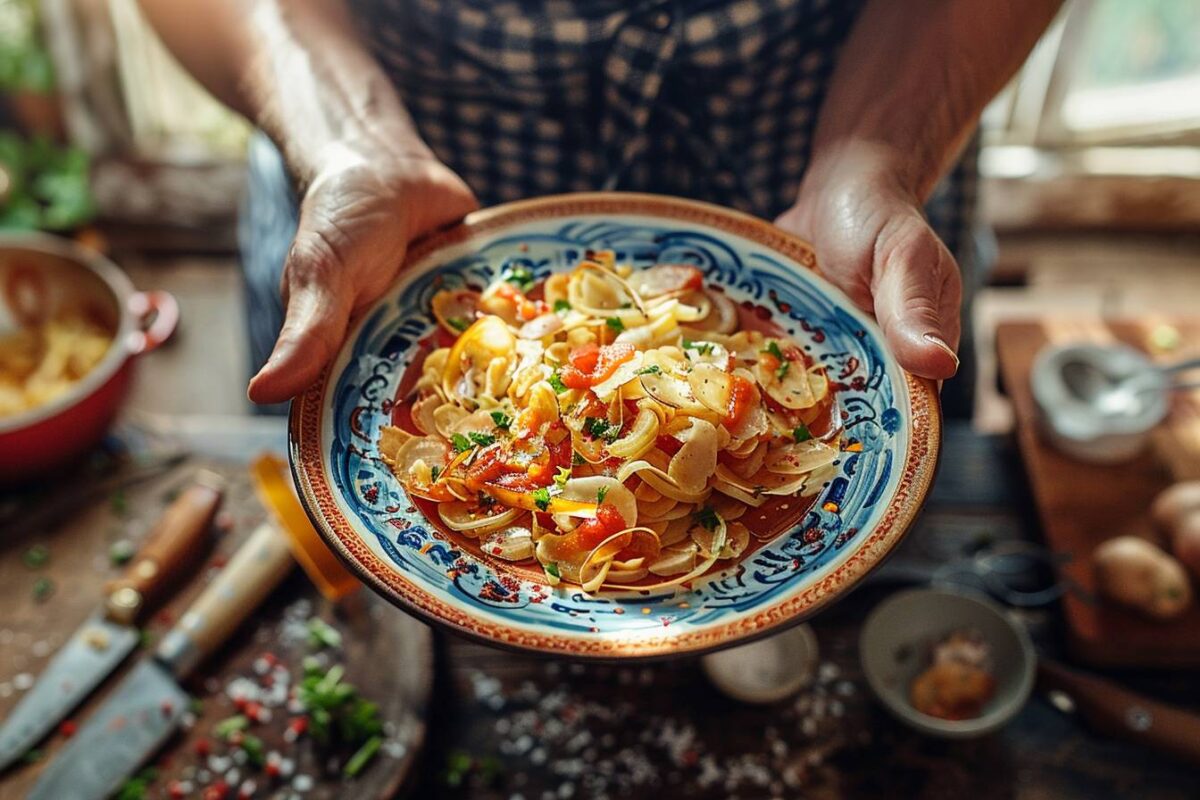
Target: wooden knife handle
176, 542
255, 570
1114, 710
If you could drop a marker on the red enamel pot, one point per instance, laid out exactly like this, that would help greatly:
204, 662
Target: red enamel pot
39, 275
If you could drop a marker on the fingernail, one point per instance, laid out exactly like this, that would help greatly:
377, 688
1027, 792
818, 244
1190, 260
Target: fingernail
938, 341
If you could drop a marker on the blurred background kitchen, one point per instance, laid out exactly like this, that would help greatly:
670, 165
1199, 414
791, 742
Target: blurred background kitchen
1089, 227
1088, 192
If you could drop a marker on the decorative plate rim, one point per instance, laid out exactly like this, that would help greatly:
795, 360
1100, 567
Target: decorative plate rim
919, 464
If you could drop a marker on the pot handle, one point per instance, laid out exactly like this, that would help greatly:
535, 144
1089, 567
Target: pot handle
157, 313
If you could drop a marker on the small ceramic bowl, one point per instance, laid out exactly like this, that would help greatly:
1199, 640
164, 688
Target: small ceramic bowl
901, 631
40, 274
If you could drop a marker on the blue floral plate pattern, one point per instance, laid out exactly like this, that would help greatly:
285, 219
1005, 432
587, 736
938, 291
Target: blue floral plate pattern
891, 419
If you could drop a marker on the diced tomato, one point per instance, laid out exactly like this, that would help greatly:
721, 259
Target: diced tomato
488, 466
607, 521
668, 444
769, 362
590, 364
741, 393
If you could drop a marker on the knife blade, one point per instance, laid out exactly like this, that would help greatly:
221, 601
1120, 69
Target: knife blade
103, 641
146, 708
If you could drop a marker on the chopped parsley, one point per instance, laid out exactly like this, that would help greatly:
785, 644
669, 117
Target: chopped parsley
615, 324
561, 306
458, 323
600, 428
653, 369
784, 366
562, 476
36, 556
521, 277
556, 383
707, 518
461, 443
501, 420
552, 570
703, 348
601, 493
481, 439
801, 433
434, 472
541, 498
321, 634
773, 348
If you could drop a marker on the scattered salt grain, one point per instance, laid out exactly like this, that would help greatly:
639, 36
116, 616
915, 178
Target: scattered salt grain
302, 783
22, 682
40, 648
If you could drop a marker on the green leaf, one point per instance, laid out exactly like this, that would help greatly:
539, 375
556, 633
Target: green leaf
36, 556
801, 433
461, 443
562, 476
363, 757
255, 750
521, 277
458, 323
541, 498
434, 472
773, 348
561, 306
556, 383
653, 369
501, 420
707, 518
784, 366
615, 324
601, 493
552, 570
230, 725
322, 634
481, 439
703, 348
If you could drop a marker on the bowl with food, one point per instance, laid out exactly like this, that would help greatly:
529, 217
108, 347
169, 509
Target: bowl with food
947, 664
71, 326
614, 426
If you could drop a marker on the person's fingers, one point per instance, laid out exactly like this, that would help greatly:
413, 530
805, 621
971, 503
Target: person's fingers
314, 326
917, 293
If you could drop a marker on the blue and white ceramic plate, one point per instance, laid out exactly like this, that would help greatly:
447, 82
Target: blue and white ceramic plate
891, 417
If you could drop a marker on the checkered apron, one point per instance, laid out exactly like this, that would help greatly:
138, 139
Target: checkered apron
709, 99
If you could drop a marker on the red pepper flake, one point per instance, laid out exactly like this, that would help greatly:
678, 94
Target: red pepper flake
203, 747
217, 791
68, 728
240, 702
175, 790
253, 711
270, 658
299, 724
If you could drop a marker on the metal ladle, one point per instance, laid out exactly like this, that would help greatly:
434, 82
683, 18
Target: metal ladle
1123, 395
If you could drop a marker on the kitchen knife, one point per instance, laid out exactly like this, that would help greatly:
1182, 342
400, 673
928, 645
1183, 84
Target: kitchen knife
103, 641
146, 708
1114, 710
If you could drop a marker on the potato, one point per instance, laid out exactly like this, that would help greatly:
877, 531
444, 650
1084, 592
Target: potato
1175, 503
1139, 574
1185, 542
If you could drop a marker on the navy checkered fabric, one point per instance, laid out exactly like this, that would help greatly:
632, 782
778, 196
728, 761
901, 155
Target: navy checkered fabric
715, 100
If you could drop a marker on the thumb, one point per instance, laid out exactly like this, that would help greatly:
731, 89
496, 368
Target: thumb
314, 326
917, 293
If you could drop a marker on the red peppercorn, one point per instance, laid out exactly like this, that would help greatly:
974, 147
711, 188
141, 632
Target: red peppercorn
203, 747
68, 728
253, 711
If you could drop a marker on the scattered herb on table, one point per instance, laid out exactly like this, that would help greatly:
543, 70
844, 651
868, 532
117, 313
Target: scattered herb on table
255, 750
362, 756
321, 634
561, 306
119, 503
121, 552
32, 756
36, 556
231, 725
461, 766
338, 716
137, 787
42, 589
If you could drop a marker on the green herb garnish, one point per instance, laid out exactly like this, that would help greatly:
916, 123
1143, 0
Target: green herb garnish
556, 383
653, 369
773, 348
502, 421
703, 348
231, 725
561, 306
42, 589
481, 439
255, 750
615, 324
707, 518
36, 556
461, 443
601, 493
121, 552
541, 498
137, 787
434, 472
458, 323
551, 570
784, 366
118, 503
562, 476
801, 433
336, 712
362, 757
522, 277
322, 634
600, 428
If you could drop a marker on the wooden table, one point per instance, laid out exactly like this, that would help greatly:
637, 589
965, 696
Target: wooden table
663, 731
506, 726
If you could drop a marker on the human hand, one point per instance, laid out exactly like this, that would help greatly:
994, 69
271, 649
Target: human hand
357, 218
873, 242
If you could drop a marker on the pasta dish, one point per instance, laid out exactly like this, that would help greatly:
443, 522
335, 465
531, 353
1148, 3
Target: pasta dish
610, 427
42, 362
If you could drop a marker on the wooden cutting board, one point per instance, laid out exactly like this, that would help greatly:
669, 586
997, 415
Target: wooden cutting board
1081, 505
388, 655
